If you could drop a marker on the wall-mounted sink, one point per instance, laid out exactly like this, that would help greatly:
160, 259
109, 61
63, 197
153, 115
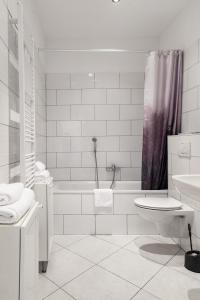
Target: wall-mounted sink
188, 185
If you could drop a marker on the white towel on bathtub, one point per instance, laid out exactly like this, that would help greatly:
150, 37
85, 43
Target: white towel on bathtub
103, 198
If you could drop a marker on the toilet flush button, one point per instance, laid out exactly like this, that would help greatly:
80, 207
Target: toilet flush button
184, 150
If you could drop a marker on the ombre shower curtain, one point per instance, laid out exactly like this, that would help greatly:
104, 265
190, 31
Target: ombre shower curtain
162, 114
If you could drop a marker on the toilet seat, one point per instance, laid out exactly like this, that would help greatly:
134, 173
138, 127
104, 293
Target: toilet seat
165, 204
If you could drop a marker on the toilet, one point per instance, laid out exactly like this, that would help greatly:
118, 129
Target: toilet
170, 216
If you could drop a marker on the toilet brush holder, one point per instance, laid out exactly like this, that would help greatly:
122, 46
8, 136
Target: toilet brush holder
192, 257
192, 261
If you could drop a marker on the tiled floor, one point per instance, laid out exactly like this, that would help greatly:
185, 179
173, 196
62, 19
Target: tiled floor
117, 268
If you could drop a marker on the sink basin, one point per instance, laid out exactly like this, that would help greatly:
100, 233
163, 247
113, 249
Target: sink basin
188, 185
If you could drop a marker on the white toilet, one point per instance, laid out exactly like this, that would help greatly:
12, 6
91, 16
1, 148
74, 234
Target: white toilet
170, 215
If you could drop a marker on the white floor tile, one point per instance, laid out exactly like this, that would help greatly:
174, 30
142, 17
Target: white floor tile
98, 284
45, 287
93, 249
111, 224
162, 239
142, 295
177, 264
153, 249
139, 263
55, 248
64, 266
59, 295
118, 240
172, 285
66, 240
131, 266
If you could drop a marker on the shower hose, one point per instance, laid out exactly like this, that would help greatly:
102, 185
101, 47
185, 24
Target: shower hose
96, 167
96, 163
113, 179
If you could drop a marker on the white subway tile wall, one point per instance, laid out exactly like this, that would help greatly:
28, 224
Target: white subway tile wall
106, 105
185, 165
191, 94
75, 213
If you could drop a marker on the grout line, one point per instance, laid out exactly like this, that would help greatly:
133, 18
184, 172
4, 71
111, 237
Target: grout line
162, 267
94, 80
99, 237
95, 224
124, 247
127, 225
62, 286
81, 97
116, 275
46, 297
70, 80
97, 265
81, 204
147, 292
71, 243
67, 293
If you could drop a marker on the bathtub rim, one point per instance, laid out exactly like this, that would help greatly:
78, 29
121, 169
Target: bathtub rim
123, 190
139, 192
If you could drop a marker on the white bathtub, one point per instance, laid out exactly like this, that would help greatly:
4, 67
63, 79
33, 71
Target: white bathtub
75, 212
74, 186
89, 186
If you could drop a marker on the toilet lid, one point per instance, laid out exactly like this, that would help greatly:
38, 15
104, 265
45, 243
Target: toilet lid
158, 203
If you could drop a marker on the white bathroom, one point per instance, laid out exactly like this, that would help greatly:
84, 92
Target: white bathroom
100, 150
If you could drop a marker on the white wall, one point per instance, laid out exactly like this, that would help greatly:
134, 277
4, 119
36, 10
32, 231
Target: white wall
9, 95
93, 62
184, 33
109, 106
185, 28
185, 165
75, 214
32, 23
113, 98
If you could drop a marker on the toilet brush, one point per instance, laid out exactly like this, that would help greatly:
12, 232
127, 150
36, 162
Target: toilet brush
192, 257
190, 236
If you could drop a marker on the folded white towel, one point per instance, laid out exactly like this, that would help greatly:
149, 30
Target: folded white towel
10, 193
103, 198
40, 166
10, 214
42, 174
43, 180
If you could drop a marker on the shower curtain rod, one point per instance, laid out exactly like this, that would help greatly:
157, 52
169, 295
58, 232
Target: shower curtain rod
95, 50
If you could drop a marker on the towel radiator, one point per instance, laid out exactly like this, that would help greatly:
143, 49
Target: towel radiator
27, 102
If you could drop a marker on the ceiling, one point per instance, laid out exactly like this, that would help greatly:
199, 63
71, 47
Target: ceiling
101, 19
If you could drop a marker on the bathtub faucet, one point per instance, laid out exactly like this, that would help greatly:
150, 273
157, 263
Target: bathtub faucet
113, 169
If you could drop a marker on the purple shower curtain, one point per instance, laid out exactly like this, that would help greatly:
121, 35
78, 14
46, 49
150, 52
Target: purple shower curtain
162, 114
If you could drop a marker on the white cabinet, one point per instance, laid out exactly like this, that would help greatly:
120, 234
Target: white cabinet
44, 195
19, 258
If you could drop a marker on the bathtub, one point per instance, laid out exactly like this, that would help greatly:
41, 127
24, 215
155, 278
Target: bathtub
74, 211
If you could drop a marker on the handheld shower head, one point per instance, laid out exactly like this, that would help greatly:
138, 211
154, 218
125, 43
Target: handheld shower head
94, 140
